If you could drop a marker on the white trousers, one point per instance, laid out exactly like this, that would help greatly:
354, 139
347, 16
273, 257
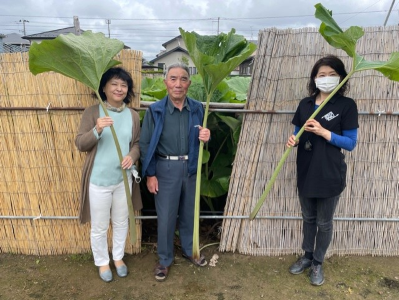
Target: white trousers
108, 202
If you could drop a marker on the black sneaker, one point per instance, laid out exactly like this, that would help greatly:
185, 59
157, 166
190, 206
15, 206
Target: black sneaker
301, 264
316, 275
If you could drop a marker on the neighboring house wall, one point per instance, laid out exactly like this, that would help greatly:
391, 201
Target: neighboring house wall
246, 67
175, 57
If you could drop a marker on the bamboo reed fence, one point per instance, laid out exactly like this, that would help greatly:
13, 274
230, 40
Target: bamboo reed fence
40, 166
283, 63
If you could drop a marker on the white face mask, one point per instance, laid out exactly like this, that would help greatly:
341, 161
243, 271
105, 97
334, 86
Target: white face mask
327, 84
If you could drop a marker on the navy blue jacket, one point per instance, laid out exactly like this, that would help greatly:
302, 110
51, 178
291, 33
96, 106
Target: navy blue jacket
157, 111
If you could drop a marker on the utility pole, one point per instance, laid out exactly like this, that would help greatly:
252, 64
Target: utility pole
218, 24
23, 22
389, 12
108, 21
76, 24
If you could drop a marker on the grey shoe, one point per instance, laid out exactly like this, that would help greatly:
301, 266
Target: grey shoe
316, 275
106, 275
121, 271
300, 265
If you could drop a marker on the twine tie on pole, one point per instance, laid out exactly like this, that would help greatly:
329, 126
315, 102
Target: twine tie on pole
38, 217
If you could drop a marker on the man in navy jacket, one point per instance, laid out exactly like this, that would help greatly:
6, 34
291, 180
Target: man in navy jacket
169, 145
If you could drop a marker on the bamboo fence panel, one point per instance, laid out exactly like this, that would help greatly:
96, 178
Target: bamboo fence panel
40, 166
283, 63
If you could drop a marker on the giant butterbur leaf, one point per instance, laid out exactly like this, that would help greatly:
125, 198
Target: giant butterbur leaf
82, 57
334, 35
216, 56
389, 68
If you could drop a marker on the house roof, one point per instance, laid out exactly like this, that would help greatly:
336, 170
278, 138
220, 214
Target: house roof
168, 42
14, 39
52, 34
177, 49
49, 35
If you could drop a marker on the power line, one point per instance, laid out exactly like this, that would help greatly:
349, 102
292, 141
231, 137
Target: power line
201, 19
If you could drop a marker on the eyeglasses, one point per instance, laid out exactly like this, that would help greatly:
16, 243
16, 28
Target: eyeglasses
307, 146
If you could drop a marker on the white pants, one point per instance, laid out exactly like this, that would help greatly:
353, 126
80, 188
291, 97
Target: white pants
108, 202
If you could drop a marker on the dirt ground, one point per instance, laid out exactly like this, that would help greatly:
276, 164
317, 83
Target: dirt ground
235, 276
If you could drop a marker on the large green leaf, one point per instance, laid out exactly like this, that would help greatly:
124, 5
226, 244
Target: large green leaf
233, 123
389, 68
153, 89
216, 56
214, 187
85, 57
224, 92
240, 86
334, 35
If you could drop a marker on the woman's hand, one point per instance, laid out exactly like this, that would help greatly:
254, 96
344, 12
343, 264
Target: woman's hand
291, 141
313, 126
127, 162
102, 123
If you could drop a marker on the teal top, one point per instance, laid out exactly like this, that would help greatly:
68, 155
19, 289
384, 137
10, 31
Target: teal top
107, 168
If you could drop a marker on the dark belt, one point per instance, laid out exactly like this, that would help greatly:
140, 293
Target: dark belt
171, 157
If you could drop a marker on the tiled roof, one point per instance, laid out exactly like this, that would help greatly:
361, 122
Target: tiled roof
14, 39
50, 34
166, 53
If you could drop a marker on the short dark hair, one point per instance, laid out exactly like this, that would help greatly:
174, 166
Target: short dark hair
118, 73
336, 64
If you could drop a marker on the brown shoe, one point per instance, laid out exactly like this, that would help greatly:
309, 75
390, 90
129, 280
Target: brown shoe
161, 272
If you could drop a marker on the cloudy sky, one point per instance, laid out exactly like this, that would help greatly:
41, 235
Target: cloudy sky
145, 25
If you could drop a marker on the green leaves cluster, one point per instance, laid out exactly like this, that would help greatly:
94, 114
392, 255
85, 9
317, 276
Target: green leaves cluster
215, 57
346, 40
230, 90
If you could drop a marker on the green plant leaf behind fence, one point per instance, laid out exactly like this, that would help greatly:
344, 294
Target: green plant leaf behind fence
215, 56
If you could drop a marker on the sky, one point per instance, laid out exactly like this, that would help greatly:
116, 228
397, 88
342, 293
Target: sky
145, 25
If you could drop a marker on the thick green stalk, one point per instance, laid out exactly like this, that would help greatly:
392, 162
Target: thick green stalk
196, 249
132, 219
288, 150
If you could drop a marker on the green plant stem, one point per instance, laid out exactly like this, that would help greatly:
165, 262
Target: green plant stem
132, 219
288, 150
196, 250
